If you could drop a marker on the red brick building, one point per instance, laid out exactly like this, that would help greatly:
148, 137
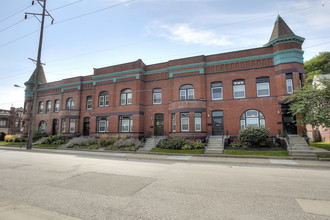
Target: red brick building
10, 122
189, 97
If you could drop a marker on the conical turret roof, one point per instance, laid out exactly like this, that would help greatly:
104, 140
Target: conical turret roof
41, 77
282, 32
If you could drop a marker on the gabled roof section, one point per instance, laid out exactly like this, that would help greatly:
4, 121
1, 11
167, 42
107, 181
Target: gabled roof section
282, 33
41, 77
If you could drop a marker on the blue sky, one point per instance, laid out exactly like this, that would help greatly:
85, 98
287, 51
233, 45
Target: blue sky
92, 34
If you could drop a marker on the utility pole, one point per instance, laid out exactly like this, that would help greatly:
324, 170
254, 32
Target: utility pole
38, 68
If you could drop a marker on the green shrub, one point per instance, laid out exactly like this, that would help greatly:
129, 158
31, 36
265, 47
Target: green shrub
9, 138
38, 135
81, 142
180, 143
125, 144
235, 144
274, 144
104, 141
253, 136
197, 145
56, 139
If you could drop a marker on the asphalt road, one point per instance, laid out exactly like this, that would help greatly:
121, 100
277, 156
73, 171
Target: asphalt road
40, 185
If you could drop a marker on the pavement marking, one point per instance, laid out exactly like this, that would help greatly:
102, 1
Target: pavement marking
179, 157
10, 209
317, 207
282, 161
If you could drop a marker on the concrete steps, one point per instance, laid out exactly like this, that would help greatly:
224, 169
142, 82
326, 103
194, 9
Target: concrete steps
300, 150
215, 146
150, 144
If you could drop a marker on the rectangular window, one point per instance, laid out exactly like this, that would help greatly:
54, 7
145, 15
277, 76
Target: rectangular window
125, 124
216, 90
123, 99
102, 124
72, 125
129, 98
173, 122
3, 123
48, 106
57, 106
190, 93
89, 102
184, 121
24, 111
289, 86
198, 121
239, 89
63, 125
16, 124
157, 96
101, 101
182, 94
263, 86
106, 101
41, 107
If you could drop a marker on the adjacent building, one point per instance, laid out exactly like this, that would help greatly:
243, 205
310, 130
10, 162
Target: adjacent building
191, 97
10, 122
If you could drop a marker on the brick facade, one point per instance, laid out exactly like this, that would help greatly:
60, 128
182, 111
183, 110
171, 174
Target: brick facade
278, 60
10, 122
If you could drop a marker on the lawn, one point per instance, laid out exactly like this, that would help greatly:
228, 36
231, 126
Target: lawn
196, 151
12, 143
258, 153
324, 145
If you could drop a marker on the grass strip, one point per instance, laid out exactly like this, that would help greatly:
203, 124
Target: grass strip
13, 143
195, 151
258, 153
323, 145
47, 145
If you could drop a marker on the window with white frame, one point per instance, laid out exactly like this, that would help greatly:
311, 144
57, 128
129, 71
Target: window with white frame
89, 102
102, 124
157, 96
184, 121
72, 125
69, 103
103, 99
198, 121
57, 105
63, 125
252, 118
126, 97
216, 90
239, 88
48, 106
289, 85
263, 86
173, 122
41, 107
186, 92
126, 123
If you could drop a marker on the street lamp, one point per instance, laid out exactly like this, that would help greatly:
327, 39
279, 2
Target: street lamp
18, 86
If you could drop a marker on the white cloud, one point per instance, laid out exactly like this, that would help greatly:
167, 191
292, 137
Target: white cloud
184, 33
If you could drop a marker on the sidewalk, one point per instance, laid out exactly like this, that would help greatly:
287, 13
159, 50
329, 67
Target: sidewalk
224, 159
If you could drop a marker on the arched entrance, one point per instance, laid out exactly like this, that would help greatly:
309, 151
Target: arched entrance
2, 136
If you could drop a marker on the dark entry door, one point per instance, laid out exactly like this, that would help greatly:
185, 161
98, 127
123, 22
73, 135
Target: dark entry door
159, 125
217, 123
86, 127
288, 120
55, 127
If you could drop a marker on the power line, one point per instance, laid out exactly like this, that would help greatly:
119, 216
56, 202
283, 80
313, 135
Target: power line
66, 5
12, 25
15, 13
93, 12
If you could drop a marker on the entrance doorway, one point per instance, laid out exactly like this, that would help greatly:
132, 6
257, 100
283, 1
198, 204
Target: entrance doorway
217, 123
55, 127
159, 125
2, 136
86, 127
288, 120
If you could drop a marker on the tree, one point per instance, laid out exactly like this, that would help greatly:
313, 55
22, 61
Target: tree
317, 66
312, 103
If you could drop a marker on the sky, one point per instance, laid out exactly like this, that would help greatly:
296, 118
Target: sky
89, 34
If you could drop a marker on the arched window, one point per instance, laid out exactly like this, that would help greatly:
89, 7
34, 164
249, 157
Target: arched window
126, 97
252, 118
42, 126
186, 92
103, 99
69, 103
